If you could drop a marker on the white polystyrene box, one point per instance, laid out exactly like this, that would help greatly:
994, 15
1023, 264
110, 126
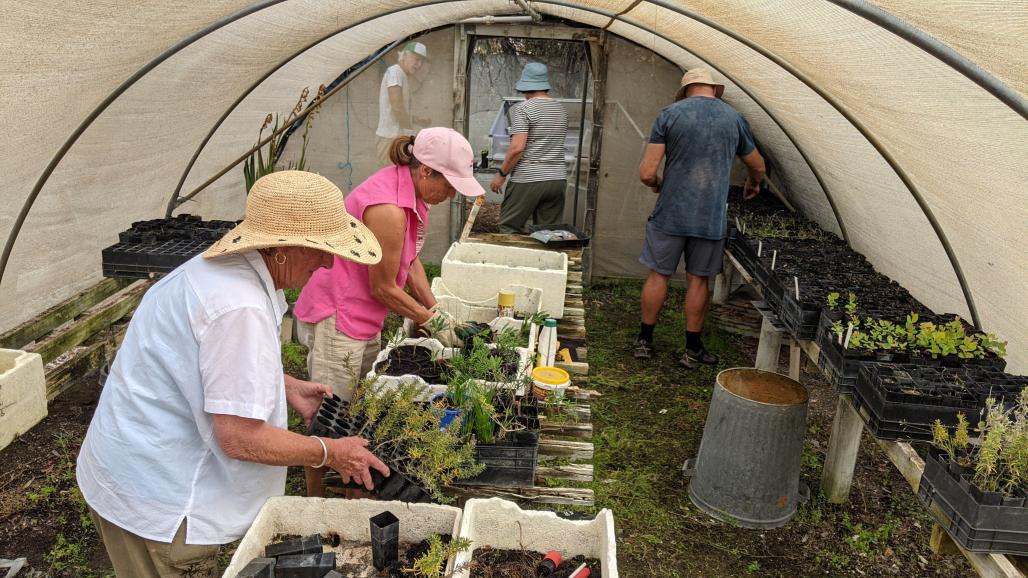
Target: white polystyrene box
298, 516
478, 271
502, 524
525, 367
22, 393
527, 300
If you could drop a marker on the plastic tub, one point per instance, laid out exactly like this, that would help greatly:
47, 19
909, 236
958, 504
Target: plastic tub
550, 383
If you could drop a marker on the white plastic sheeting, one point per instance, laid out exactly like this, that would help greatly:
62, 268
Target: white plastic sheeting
962, 149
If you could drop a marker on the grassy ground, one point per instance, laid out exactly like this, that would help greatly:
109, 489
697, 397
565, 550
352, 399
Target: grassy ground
650, 420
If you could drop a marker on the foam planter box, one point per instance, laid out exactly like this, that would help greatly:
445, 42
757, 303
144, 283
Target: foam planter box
22, 393
345, 519
977, 520
503, 525
437, 348
527, 301
478, 271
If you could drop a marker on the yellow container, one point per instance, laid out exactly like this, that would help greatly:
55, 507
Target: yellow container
549, 383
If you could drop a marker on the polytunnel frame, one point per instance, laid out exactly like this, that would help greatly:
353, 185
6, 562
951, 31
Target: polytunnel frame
934, 48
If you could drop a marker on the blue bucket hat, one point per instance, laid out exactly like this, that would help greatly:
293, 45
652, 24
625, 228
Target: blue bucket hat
533, 77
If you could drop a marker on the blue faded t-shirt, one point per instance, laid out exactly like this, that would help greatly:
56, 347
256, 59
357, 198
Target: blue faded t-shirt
702, 136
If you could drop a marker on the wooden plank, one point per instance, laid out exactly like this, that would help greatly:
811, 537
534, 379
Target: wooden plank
570, 472
581, 393
573, 312
96, 318
565, 449
940, 543
536, 494
795, 360
579, 412
566, 428
574, 368
843, 446
59, 314
574, 277
735, 263
100, 348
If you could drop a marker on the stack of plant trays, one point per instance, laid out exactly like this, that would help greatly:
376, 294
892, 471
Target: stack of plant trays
158, 246
334, 420
979, 521
512, 460
902, 401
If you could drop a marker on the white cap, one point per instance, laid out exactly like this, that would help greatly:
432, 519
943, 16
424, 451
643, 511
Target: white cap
417, 48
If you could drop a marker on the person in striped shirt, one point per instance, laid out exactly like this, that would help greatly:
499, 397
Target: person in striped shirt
535, 160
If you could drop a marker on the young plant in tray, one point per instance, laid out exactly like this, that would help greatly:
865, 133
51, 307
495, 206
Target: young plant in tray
432, 564
405, 432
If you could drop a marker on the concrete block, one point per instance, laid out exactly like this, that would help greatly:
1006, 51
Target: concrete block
478, 271
22, 393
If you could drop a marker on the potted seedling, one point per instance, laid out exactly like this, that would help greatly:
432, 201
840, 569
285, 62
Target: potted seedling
981, 489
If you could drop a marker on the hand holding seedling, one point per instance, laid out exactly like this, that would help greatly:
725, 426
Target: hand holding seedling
351, 458
305, 396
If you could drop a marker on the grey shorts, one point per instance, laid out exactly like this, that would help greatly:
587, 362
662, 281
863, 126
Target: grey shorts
661, 252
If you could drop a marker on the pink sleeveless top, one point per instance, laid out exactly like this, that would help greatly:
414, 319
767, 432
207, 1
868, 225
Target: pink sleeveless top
345, 289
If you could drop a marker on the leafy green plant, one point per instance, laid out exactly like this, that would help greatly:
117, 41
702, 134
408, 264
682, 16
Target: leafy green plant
832, 300
259, 164
432, 564
1000, 461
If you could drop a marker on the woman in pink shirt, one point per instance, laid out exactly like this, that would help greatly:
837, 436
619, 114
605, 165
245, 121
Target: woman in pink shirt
342, 309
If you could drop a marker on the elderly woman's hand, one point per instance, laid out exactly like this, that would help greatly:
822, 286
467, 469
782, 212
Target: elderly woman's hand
350, 457
305, 396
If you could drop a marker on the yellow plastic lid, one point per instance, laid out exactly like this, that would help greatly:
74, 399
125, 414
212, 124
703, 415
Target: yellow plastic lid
505, 299
550, 375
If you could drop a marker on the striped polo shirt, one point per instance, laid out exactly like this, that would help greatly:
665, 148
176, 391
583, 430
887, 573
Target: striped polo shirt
546, 123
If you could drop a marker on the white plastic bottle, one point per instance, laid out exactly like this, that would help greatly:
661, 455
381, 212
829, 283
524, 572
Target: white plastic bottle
548, 343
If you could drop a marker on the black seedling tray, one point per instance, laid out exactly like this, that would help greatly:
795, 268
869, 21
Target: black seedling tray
581, 241
979, 521
158, 246
510, 463
800, 318
333, 420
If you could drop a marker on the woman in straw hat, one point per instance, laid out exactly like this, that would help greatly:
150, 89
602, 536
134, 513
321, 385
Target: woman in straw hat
342, 309
190, 435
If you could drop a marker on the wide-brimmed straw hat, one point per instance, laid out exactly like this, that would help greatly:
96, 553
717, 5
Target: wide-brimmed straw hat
299, 209
699, 76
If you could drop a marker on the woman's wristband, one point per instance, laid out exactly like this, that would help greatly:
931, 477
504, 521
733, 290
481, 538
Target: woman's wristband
502, 174
324, 453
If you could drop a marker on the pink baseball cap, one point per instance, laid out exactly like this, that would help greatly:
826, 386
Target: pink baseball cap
448, 152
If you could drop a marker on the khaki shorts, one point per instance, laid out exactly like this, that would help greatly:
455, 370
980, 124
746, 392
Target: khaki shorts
132, 555
382, 146
335, 359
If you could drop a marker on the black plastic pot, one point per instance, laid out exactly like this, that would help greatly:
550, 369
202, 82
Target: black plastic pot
511, 462
385, 539
979, 521
305, 565
306, 545
258, 568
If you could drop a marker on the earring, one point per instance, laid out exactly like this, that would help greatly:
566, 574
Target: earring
283, 261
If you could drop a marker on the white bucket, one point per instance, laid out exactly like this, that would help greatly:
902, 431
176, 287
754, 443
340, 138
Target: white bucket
549, 383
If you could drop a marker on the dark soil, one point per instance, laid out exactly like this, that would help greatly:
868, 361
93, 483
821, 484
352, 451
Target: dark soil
493, 563
42, 515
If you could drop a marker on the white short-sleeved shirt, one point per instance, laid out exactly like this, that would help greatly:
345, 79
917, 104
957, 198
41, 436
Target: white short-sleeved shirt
204, 340
388, 124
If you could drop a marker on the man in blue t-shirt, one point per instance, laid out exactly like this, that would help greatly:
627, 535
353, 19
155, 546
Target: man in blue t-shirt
700, 135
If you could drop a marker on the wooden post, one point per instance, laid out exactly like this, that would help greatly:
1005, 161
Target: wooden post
461, 41
723, 284
769, 347
843, 446
795, 359
598, 53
